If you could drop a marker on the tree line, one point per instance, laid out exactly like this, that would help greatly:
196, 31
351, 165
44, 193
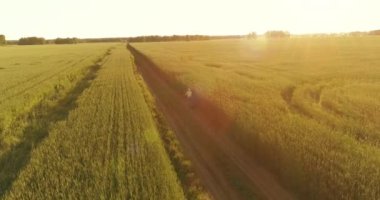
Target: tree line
40, 40
66, 40
277, 34
31, 41
156, 38
270, 34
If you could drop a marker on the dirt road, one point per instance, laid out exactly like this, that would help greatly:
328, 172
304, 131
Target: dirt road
223, 167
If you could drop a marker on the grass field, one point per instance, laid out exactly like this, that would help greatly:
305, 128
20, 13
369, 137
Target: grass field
309, 108
108, 147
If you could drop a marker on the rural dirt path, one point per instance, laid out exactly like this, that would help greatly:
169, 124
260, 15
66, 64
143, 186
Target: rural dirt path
223, 167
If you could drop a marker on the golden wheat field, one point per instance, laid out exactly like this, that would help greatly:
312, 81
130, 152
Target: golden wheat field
309, 107
190, 100
284, 118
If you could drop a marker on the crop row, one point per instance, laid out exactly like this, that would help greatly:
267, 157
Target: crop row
107, 148
31, 74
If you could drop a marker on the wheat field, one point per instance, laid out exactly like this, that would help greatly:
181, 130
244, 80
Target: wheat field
309, 107
106, 146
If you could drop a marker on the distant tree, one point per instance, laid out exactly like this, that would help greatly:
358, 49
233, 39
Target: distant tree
66, 41
357, 33
374, 32
156, 38
99, 40
2, 40
252, 35
277, 34
31, 41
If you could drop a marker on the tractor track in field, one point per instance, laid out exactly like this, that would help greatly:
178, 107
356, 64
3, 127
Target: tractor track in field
40, 118
34, 81
224, 168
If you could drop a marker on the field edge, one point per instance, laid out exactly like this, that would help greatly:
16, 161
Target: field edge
183, 167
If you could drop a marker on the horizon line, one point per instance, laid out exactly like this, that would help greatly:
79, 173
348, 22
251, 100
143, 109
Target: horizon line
210, 35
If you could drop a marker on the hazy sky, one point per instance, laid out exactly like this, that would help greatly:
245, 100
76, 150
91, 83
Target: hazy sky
117, 18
